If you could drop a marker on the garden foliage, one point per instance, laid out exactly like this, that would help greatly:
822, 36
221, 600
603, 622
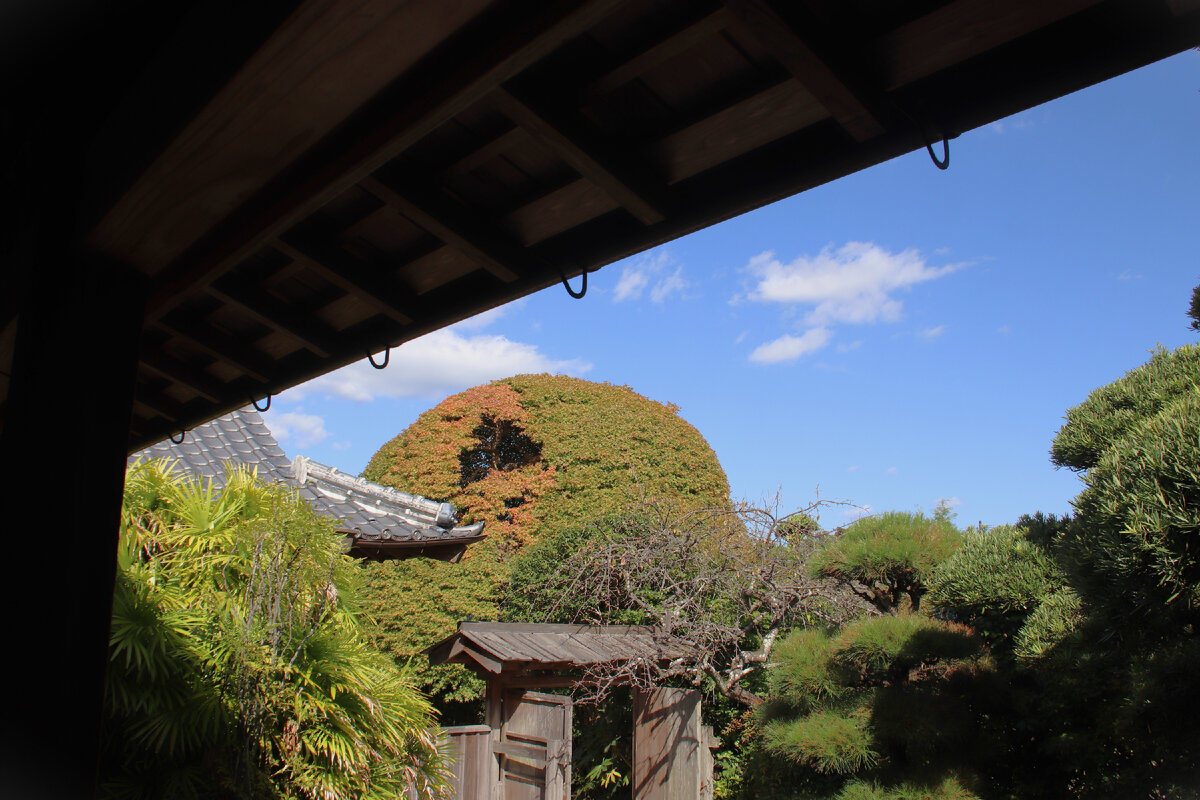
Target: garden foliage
237, 666
528, 455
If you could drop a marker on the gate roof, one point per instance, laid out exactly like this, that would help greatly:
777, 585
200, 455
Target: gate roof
497, 647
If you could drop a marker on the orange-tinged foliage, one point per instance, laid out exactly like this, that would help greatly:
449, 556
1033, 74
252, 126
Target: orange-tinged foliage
599, 448
528, 455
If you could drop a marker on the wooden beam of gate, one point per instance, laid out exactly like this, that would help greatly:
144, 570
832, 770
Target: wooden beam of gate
452, 226
603, 171
761, 22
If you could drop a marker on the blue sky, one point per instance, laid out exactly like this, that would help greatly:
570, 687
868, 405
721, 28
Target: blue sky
893, 338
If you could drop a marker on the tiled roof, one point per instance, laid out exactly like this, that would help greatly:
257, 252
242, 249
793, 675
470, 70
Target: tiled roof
380, 522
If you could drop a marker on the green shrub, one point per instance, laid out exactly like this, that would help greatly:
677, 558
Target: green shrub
888, 558
1138, 521
1111, 411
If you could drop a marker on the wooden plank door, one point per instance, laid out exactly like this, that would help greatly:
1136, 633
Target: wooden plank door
670, 747
471, 748
534, 751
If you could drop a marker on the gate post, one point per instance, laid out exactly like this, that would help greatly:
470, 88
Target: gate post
669, 746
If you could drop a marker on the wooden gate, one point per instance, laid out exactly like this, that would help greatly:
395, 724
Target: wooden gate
671, 748
533, 750
471, 748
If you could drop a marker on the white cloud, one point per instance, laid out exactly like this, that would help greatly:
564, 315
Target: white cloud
846, 348
665, 286
892, 470
631, 284
1129, 275
651, 270
1004, 329
298, 429
789, 348
436, 364
853, 284
949, 501
852, 469
932, 333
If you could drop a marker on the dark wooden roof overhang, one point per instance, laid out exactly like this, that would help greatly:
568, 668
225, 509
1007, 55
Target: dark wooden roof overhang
344, 175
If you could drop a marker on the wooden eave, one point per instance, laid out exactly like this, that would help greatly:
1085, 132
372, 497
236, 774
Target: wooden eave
378, 169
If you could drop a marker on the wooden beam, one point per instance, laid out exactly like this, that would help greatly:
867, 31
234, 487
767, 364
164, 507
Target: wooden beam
306, 329
961, 30
761, 22
455, 227
668, 48
486, 153
160, 404
397, 119
173, 369
583, 155
219, 345
350, 274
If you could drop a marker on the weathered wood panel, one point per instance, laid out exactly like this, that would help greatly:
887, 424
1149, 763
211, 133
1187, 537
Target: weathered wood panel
534, 752
472, 750
670, 749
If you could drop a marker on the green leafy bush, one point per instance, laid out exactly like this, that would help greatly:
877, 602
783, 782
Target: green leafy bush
236, 665
1111, 411
1138, 520
889, 706
887, 558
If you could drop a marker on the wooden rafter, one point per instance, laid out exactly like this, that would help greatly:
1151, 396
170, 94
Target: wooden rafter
386, 129
263, 306
486, 152
162, 406
453, 226
574, 147
758, 20
156, 360
666, 49
350, 274
219, 345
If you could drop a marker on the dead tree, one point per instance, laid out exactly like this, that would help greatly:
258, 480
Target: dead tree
722, 584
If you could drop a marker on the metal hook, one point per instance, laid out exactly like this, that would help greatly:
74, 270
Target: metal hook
387, 356
945, 162
582, 290
182, 434
264, 408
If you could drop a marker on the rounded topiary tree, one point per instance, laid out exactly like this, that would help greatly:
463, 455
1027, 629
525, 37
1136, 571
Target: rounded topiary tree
534, 452
528, 455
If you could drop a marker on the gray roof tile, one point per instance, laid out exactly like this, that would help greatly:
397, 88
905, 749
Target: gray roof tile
365, 511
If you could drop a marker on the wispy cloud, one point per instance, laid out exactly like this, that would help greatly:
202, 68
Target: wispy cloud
298, 429
436, 364
852, 284
657, 271
1129, 275
929, 334
790, 348
855, 284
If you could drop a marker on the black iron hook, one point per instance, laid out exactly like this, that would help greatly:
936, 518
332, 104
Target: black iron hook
264, 408
945, 162
387, 356
182, 434
582, 290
